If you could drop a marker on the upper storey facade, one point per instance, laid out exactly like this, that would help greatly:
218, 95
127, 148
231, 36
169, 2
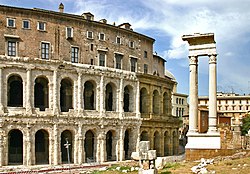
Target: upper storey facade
49, 35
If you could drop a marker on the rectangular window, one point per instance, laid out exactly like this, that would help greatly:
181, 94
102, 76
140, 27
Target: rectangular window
26, 24
91, 61
89, 34
11, 22
118, 61
41, 26
101, 36
145, 68
69, 32
74, 54
133, 62
102, 58
11, 48
91, 47
45, 50
131, 44
145, 54
118, 40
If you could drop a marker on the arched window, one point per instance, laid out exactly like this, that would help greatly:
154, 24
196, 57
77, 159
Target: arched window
66, 141
15, 91
166, 104
157, 143
156, 102
89, 145
66, 95
41, 93
15, 146
109, 145
89, 96
110, 97
166, 143
143, 100
128, 99
42, 147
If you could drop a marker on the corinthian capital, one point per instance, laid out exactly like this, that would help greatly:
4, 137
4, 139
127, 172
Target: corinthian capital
212, 58
193, 60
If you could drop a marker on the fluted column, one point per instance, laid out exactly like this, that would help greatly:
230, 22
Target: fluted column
55, 93
80, 93
101, 96
212, 118
1, 91
193, 93
28, 93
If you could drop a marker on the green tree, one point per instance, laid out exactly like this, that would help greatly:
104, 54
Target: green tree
245, 124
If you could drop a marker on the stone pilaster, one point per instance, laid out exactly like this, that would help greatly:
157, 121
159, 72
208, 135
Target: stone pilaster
101, 94
80, 93
1, 92
150, 102
193, 94
2, 156
56, 145
137, 100
80, 145
121, 95
28, 93
101, 148
55, 93
212, 118
121, 144
28, 147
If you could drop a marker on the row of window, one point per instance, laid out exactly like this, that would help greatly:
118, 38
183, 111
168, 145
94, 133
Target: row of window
179, 101
179, 112
45, 54
41, 26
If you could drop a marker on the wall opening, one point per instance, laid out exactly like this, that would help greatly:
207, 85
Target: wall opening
66, 95
15, 150
156, 102
42, 147
157, 143
89, 96
109, 98
109, 143
89, 145
15, 91
166, 143
126, 145
66, 138
41, 95
128, 99
143, 100
144, 136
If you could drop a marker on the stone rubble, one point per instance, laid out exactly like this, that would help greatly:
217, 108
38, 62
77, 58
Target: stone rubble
201, 167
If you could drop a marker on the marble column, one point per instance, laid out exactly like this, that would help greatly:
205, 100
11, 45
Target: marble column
28, 93
212, 118
55, 93
1, 91
193, 94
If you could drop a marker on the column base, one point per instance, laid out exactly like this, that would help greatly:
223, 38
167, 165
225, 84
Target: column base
210, 140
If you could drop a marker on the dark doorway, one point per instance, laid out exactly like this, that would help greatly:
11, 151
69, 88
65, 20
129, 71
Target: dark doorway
126, 99
15, 139
144, 136
66, 95
157, 143
109, 98
41, 93
109, 141
15, 91
143, 100
66, 139
166, 143
42, 147
89, 146
126, 145
89, 96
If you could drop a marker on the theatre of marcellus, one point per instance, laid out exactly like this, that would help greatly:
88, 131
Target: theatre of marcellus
68, 79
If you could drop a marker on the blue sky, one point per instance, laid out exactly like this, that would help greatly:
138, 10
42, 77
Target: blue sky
167, 21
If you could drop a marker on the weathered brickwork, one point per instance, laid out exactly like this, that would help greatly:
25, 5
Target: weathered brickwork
56, 89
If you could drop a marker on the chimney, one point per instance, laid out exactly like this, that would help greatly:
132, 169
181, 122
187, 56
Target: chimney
61, 8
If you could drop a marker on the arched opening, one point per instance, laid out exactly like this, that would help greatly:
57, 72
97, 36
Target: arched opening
143, 100
66, 147
175, 145
89, 145
15, 91
41, 95
128, 99
144, 136
42, 147
109, 143
157, 143
156, 102
109, 98
126, 145
165, 103
166, 143
89, 96
66, 95
15, 155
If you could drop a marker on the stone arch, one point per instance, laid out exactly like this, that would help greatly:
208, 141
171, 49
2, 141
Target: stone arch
175, 145
166, 105
89, 144
67, 147
66, 95
15, 91
89, 95
15, 147
42, 147
144, 100
144, 136
156, 102
41, 93
110, 97
157, 143
127, 144
110, 145
166, 143
128, 100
